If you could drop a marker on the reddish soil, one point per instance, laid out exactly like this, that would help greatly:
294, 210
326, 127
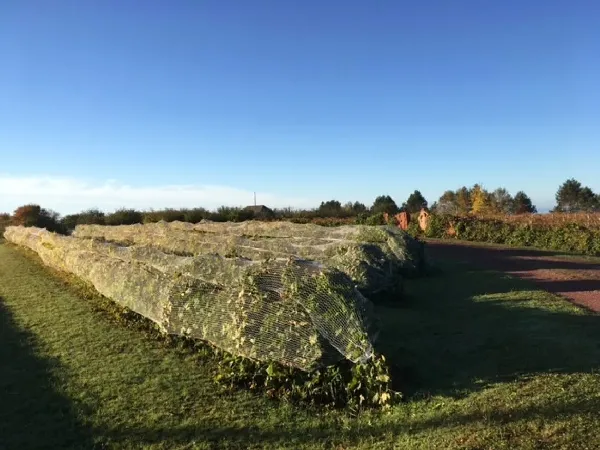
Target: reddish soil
575, 278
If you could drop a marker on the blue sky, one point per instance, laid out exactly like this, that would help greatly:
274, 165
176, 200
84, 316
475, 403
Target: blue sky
153, 103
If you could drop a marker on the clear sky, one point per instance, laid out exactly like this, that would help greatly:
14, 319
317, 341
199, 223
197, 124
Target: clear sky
199, 103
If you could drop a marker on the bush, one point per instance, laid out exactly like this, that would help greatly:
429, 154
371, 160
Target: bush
332, 221
88, 217
124, 217
354, 386
231, 214
437, 226
91, 217
414, 229
168, 215
195, 215
69, 222
35, 216
565, 236
375, 219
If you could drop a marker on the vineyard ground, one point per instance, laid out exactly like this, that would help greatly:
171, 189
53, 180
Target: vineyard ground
574, 277
490, 361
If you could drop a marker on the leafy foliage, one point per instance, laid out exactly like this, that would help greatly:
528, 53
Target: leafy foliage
375, 219
566, 237
354, 386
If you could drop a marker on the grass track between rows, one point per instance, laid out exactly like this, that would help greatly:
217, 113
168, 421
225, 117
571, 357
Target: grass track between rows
490, 362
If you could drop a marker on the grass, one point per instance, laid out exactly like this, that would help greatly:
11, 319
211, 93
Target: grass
489, 362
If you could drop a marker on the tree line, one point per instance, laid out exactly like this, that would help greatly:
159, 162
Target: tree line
571, 197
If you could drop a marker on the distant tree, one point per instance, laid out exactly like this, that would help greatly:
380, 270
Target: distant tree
588, 200
522, 204
167, 215
33, 215
358, 207
27, 215
573, 197
351, 209
87, 217
501, 202
384, 204
91, 217
69, 221
567, 196
463, 200
480, 200
446, 204
415, 202
331, 208
195, 215
124, 216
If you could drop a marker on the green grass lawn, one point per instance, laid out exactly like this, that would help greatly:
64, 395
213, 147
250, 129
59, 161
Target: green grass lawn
488, 362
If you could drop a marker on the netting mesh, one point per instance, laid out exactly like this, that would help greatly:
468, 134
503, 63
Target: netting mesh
374, 257
299, 313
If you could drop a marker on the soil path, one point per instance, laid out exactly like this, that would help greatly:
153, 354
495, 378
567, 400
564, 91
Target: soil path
576, 278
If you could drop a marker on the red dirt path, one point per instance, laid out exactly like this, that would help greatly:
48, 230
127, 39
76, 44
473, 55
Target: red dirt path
577, 279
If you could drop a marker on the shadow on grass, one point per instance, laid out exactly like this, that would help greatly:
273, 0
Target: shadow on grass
564, 286
32, 413
463, 330
243, 437
504, 258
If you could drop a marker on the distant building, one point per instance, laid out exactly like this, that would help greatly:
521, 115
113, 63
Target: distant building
261, 211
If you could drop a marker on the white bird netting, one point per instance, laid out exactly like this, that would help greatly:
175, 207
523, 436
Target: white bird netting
376, 258
300, 313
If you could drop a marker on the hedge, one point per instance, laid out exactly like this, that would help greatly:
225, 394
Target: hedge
564, 237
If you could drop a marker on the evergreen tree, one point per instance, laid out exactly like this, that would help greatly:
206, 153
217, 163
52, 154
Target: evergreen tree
522, 204
415, 202
384, 204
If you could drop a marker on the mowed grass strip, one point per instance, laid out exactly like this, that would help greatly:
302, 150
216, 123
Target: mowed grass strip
488, 362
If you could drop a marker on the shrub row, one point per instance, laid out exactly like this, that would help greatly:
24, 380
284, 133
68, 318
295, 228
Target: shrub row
353, 386
223, 214
565, 237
